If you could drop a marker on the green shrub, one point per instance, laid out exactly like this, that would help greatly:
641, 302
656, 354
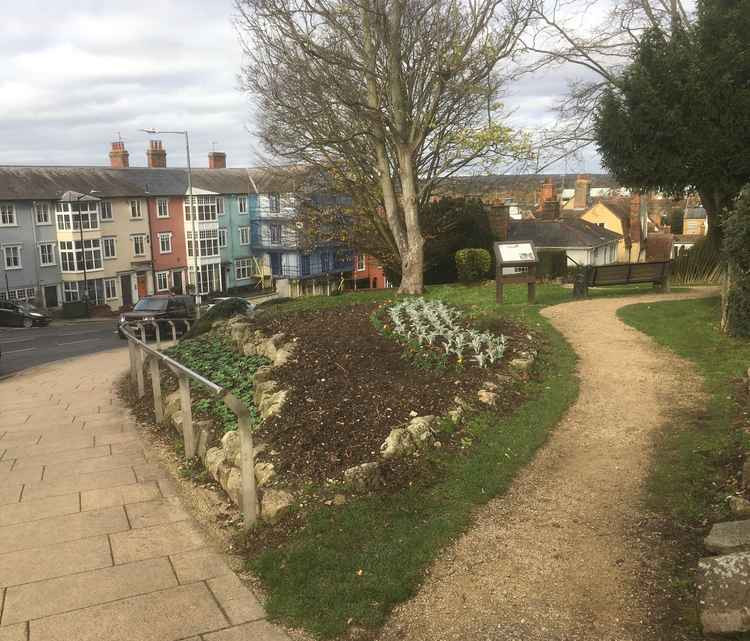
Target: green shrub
736, 229
472, 264
221, 311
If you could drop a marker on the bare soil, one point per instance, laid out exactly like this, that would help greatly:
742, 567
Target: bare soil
570, 554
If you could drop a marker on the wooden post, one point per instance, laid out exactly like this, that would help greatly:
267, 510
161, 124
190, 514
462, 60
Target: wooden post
153, 364
174, 330
158, 335
131, 353
139, 371
499, 286
531, 294
188, 434
248, 495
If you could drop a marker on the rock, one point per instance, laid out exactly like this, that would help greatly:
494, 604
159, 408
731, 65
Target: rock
339, 499
283, 355
492, 387
264, 473
176, 420
724, 593
731, 536
522, 364
262, 374
230, 442
223, 473
249, 349
258, 448
261, 389
504, 379
487, 397
740, 507
272, 404
456, 414
275, 504
238, 332
363, 477
214, 459
233, 485
746, 474
203, 429
172, 404
398, 443
420, 430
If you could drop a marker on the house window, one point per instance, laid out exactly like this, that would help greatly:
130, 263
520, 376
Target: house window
305, 265
243, 268
109, 247
77, 215
274, 203
219, 205
46, 254
222, 237
26, 294
276, 234
209, 278
135, 209
110, 288
205, 207
208, 240
41, 209
360, 262
7, 215
139, 245
106, 210
162, 208
165, 243
162, 281
70, 292
72, 256
244, 235
242, 204
12, 255
325, 262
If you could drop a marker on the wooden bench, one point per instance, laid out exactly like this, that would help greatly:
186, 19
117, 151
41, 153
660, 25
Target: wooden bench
622, 274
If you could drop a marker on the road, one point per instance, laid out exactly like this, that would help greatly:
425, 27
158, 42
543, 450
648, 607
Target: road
23, 348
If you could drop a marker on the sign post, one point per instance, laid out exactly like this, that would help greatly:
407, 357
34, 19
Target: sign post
520, 259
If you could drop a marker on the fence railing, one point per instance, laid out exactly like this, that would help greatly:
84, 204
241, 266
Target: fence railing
141, 355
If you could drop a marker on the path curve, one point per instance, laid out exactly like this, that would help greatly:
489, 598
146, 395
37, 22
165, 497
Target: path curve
560, 557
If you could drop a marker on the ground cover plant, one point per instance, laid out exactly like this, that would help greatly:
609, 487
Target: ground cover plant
697, 459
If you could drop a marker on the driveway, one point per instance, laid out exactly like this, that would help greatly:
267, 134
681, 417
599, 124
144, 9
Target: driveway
22, 348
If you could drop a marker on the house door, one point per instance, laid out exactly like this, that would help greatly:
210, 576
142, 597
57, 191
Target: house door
50, 296
127, 290
276, 264
140, 280
177, 282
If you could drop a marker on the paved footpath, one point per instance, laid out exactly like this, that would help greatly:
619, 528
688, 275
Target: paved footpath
94, 544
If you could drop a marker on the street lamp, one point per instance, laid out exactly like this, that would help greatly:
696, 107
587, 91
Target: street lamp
192, 208
83, 249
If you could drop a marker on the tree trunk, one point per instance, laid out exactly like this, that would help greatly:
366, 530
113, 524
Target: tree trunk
412, 261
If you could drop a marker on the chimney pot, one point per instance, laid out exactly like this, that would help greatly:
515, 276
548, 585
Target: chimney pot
156, 155
119, 158
217, 160
582, 192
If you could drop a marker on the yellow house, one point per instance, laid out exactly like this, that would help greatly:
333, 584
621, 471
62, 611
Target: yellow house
615, 215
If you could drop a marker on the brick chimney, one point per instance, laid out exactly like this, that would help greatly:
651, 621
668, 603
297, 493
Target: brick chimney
549, 206
638, 216
499, 219
156, 155
582, 193
119, 158
217, 160
547, 192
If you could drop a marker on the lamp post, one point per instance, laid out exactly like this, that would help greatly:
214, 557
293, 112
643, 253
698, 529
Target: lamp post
83, 250
191, 208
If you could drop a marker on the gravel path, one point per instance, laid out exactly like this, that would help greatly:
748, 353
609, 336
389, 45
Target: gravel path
565, 555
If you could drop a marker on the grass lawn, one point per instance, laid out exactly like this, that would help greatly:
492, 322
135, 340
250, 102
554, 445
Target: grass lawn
697, 459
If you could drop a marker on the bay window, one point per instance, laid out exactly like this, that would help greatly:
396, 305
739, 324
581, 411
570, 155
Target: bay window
73, 254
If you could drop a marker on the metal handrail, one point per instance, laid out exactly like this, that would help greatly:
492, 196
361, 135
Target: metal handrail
139, 353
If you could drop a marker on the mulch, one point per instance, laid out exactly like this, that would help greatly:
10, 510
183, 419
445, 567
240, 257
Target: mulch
350, 386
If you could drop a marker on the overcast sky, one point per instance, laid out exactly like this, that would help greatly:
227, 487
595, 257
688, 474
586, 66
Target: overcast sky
78, 73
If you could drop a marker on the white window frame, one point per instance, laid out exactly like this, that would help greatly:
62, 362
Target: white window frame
71, 216
159, 203
274, 203
69, 249
208, 239
105, 240
135, 209
361, 263
8, 216
242, 204
16, 255
222, 237
134, 238
165, 235
243, 266
159, 276
244, 235
105, 212
69, 289
42, 207
208, 207
110, 295
52, 254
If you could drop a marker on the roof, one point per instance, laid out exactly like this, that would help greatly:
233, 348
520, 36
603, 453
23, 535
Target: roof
561, 233
45, 182
687, 238
695, 213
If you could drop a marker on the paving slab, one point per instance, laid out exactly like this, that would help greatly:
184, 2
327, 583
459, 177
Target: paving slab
14, 633
91, 481
109, 438
255, 631
37, 564
199, 565
51, 459
155, 541
149, 472
53, 596
171, 614
59, 529
10, 494
24, 475
41, 509
724, 593
88, 466
158, 512
120, 495
731, 536
50, 446
239, 604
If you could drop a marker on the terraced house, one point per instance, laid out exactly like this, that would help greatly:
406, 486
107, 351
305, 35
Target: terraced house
116, 234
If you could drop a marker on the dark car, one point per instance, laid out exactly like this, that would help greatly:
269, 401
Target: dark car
159, 308
22, 315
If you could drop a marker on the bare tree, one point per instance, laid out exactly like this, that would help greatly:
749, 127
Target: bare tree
386, 97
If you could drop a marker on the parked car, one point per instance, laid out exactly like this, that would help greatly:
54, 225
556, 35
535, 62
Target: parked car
159, 308
249, 307
22, 315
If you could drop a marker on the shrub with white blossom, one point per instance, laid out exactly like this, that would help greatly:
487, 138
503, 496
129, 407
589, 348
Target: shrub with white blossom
435, 324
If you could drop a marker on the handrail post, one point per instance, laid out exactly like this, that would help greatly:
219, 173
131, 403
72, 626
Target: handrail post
158, 334
153, 364
139, 371
131, 353
142, 329
174, 330
188, 434
248, 495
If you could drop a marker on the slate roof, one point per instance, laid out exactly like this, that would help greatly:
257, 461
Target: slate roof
695, 213
561, 233
51, 182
